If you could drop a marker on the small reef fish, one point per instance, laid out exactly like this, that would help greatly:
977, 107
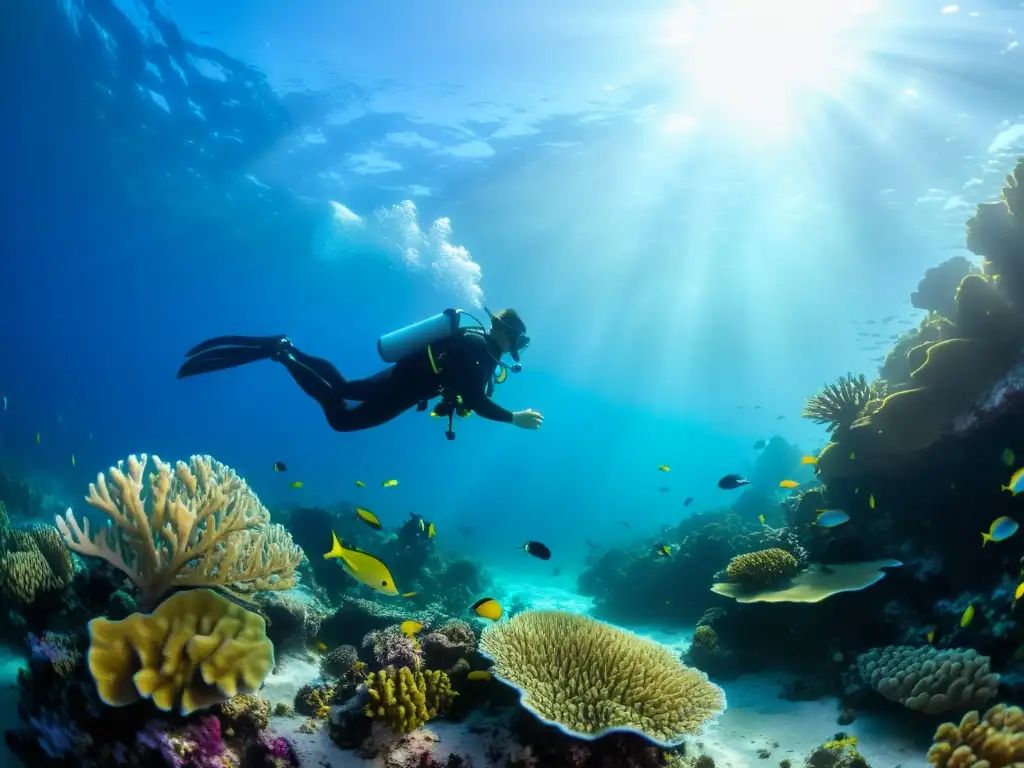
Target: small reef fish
431, 531
479, 674
788, 484
409, 627
388, 483
1019, 593
369, 518
537, 549
279, 466
664, 468
664, 489
297, 484
409, 594
5, 402
360, 484
732, 482
72, 459
688, 502
1001, 529
1009, 459
871, 501
968, 616
830, 518
1016, 484
759, 445
487, 608
556, 571
39, 437
363, 567
760, 519
625, 523
931, 635
319, 645
662, 550
809, 460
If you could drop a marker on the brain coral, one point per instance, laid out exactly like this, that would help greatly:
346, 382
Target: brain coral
589, 678
197, 648
993, 741
927, 679
761, 569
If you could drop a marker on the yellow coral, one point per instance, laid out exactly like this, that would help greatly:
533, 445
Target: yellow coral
244, 713
705, 639
762, 568
993, 741
197, 648
202, 527
406, 699
589, 678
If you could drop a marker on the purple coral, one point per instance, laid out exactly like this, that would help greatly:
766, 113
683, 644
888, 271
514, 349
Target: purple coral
276, 746
58, 738
200, 745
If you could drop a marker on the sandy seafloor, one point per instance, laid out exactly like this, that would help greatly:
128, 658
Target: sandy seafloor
755, 718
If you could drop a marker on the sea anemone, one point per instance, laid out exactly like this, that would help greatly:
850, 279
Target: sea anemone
838, 405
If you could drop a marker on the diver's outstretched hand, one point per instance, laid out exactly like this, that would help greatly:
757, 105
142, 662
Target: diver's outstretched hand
528, 419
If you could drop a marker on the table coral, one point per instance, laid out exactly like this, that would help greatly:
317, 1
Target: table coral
813, 584
995, 740
195, 650
202, 527
589, 678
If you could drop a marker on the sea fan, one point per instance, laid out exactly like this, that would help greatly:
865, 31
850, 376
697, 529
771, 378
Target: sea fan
838, 405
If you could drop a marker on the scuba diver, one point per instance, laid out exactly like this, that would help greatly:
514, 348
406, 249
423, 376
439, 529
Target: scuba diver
433, 358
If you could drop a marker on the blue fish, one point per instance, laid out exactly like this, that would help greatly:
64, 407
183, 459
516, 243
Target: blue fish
1001, 529
1016, 484
830, 518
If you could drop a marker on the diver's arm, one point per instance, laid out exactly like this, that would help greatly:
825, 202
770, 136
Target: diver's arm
487, 408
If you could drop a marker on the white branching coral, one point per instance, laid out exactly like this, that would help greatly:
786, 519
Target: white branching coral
199, 525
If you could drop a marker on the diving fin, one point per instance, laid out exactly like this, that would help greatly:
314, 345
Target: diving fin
230, 352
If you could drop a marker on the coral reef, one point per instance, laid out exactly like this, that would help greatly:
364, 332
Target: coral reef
293, 617
838, 405
339, 662
33, 562
764, 568
936, 291
405, 698
992, 740
196, 649
589, 678
202, 527
450, 643
928, 679
392, 648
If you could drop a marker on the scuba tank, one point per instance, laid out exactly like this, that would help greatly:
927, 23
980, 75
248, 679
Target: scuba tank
399, 344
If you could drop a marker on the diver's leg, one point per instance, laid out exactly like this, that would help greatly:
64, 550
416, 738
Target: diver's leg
369, 413
229, 352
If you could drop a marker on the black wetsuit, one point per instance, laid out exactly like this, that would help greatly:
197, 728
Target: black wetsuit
465, 362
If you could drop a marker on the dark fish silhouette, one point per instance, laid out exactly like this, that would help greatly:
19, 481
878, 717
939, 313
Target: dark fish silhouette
664, 489
537, 549
280, 467
760, 444
688, 502
732, 481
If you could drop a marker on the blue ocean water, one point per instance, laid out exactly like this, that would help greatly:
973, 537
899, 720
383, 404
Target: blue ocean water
687, 212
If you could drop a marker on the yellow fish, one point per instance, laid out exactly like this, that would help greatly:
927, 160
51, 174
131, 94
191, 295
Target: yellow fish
360, 484
320, 645
761, 519
871, 501
409, 594
431, 531
410, 627
363, 567
852, 455
664, 468
931, 635
423, 524
1019, 593
1015, 486
809, 460
296, 484
788, 484
663, 550
369, 518
487, 608
1009, 458
72, 459
39, 437
968, 616
389, 484
479, 674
